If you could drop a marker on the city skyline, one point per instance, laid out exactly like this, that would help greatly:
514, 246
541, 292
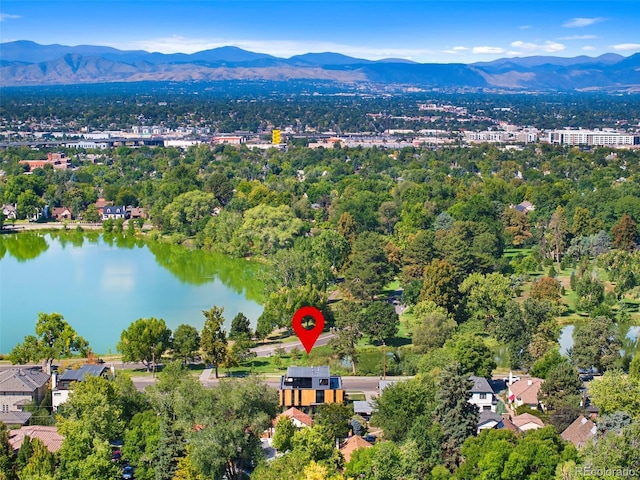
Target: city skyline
422, 31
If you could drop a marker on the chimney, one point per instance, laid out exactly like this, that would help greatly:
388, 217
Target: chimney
529, 382
54, 380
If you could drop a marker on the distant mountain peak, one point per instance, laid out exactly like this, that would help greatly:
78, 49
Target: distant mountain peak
24, 62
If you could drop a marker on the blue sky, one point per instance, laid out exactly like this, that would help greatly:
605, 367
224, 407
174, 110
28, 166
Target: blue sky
425, 31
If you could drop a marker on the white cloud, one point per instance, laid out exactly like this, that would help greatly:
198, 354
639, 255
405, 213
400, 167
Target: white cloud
279, 48
626, 46
581, 22
487, 50
548, 47
589, 48
460, 49
578, 37
7, 16
525, 27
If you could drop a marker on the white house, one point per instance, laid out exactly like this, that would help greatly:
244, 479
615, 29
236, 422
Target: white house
482, 395
63, 386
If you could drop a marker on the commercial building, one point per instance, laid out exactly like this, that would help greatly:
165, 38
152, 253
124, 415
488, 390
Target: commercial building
593, 138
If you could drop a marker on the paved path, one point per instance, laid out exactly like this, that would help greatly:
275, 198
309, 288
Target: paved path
269, 350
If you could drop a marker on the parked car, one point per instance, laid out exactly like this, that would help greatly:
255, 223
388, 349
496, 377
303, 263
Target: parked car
116, 455
586, 378
127, 473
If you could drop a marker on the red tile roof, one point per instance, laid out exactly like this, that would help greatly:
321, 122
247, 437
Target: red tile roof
356, 442
294, 414
48, 435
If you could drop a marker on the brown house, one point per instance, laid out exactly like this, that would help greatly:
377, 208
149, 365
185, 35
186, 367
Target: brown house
309, 387
61, 213
356, 442
579, 431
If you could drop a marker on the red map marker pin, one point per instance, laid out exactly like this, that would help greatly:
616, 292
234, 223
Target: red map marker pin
308, 337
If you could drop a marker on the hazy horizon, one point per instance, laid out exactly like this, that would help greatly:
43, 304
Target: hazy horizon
420, 31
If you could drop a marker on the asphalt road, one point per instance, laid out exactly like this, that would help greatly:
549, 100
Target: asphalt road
367, 385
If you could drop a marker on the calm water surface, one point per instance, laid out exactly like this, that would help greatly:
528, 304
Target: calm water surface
102, 284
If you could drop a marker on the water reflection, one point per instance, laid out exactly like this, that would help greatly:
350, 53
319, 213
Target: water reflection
628, 333
24, 246
198, 267
194, 267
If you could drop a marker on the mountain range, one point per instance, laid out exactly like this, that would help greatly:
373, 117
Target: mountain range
25, 63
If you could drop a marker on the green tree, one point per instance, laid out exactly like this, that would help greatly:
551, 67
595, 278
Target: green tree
473, 357
28, 205
536, 456
335, 418
616, 392
347, 330
614, 451
141, 440
233, 416
380, 322
544, 365
400, 405
440, 285
240, 326
174, 398
40, 464
432, 331
487, 296
346, 227
6, 454
559, 232
590, 292
55, 338
283, 436
88, 421
596, 345
91, 214
485, 455
220, 186
457, 417
561, 387
144, 341
213, 340
185, 343
270, 228
188, 213
369, 269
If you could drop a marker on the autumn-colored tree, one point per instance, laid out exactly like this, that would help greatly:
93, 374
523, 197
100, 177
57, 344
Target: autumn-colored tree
625, 233
547, 288
516, 226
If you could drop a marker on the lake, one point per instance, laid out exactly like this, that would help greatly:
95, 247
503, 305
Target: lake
101, 284
631, 343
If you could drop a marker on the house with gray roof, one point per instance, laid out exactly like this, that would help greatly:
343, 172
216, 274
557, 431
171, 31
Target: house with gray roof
309, 387
482, 395
21, 386
488, 420
63, 385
